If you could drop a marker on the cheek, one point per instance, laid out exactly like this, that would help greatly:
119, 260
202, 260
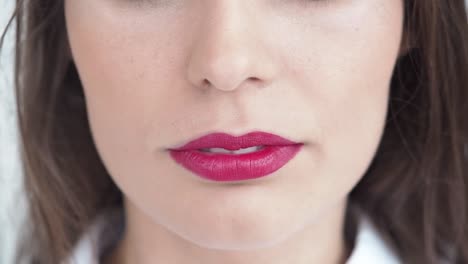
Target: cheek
347, 73
123, 69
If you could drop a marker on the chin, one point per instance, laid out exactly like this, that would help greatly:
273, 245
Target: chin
240, 235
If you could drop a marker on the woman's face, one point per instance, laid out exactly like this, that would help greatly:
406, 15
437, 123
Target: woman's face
316, 72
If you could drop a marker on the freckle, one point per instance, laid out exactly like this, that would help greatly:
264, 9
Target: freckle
141, 75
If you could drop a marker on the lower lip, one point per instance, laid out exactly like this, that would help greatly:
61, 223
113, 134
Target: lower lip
236, 167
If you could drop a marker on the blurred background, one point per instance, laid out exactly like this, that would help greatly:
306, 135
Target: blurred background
12, 206
11, 201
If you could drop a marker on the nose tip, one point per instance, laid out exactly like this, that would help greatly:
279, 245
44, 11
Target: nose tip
226, 71
228, 52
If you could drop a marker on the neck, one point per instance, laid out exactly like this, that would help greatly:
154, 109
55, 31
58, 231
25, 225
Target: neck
146, 241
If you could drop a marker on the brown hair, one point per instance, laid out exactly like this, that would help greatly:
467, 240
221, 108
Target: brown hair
416, 189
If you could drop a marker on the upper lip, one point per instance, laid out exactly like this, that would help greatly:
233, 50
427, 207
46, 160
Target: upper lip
229, 142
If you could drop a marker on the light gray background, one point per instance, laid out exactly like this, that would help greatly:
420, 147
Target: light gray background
11, 199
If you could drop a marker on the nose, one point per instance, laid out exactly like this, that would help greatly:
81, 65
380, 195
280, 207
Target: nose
228, 51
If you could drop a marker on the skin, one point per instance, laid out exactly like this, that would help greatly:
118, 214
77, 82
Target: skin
157, 74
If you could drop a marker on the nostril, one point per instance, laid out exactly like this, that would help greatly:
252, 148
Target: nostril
205, 83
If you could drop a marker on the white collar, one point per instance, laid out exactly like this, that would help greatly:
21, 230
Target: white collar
369, 248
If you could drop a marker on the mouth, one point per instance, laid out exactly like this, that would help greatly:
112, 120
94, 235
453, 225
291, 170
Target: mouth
222, 157
232, 152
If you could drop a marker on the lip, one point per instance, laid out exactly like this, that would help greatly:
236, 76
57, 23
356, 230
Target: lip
276, 153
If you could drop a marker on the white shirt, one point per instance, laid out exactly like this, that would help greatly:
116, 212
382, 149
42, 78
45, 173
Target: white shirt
369, 246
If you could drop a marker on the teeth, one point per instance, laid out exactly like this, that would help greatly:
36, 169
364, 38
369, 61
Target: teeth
239, 151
